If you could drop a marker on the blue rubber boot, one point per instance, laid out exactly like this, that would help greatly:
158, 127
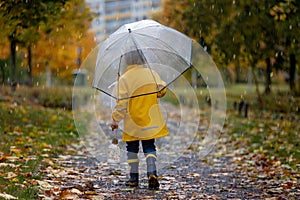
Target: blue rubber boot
153, 183
134, 175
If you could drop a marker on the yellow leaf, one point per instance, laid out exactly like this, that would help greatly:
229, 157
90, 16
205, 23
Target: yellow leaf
15, 180
24, 119
54, 118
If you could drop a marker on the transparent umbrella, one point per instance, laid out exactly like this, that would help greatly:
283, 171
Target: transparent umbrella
164, 51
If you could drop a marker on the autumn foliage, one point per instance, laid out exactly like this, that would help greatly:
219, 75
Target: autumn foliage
51, 39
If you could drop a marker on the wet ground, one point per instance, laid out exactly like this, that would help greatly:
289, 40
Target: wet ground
226, 173
83, 177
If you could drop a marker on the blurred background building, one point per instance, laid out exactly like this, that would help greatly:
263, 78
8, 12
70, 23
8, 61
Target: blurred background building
111, 14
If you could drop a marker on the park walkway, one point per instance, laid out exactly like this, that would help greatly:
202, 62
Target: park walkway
223, 174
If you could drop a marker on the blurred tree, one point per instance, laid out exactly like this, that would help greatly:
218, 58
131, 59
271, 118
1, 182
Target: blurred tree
228, 40
4, 61
60, 39
27, 22
198, 19
20, 22
259, 36
286, 15
248, 31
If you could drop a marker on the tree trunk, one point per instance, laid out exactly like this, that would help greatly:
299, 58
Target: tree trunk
292, 71
13, 44
268, 76
259, 99
2, 64
48, 75
237, 71
29, 63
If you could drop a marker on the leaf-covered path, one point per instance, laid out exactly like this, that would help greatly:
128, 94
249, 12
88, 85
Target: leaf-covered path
229, 172
217, 177
82, 176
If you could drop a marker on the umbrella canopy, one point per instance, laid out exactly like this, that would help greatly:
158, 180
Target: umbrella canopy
160, 51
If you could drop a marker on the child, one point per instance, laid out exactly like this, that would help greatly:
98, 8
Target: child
138, 91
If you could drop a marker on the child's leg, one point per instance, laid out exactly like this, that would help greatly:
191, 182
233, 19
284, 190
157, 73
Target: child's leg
150, 153
149, 150
133, 161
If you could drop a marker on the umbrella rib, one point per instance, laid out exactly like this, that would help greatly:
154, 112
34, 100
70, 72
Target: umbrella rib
168, 47
145, 93
146, 63
165, 44
105, 92
160, 89
118, 80
178, 76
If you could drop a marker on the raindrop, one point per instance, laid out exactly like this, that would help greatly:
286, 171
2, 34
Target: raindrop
271, 75
249, 13
234, 56
291, 27
233, 2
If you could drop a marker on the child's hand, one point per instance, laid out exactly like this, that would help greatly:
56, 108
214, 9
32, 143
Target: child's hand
114, 125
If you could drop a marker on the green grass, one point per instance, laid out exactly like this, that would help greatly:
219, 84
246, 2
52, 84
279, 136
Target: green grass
29, 135
275, 137
272, 131
279, 100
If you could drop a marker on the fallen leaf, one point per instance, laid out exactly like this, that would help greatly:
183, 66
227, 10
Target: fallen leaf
7, 165
11, 175
44, 185
76, 191
68, 195
7, 196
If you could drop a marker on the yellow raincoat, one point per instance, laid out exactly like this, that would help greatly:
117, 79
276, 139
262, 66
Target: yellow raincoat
142, 115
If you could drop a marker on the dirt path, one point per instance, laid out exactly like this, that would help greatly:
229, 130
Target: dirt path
226, 173
83, 177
